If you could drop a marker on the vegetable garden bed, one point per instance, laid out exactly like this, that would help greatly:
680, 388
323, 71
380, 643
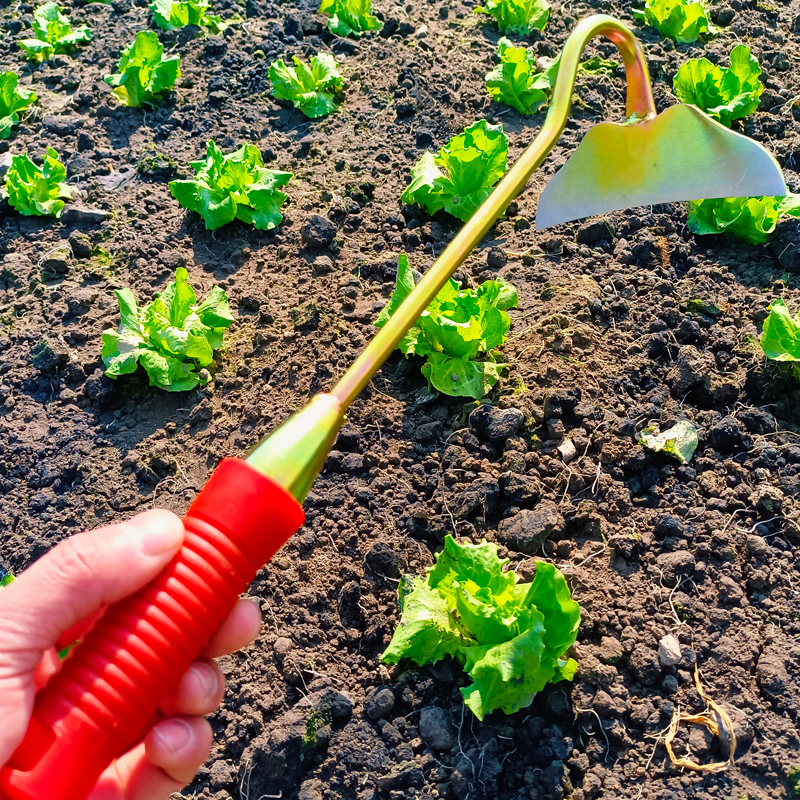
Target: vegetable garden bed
623, 323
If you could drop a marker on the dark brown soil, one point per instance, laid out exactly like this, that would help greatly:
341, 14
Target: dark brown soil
608, 337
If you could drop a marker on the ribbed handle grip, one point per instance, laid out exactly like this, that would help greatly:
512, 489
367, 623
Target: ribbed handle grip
102, 701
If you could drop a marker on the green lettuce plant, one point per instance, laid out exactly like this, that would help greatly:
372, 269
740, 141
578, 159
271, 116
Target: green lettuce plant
37, 191
53, 34
457, 327
350, 17
310, 89
233, 186
144, 74
682, 20
780, 337
171, 337
461, 175
172, 14
515, 80
13, 99
750, 218
511, 638
517, 16
724, 93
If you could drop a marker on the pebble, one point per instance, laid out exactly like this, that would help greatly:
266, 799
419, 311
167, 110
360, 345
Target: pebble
669, 651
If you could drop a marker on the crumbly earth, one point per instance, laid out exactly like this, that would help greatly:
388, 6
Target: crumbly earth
622, 323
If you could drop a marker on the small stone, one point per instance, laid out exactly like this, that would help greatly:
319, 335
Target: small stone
610, 650
83, 215
81, 245
594, 232
322, 265
669, 684
437, 730
496, 258
567, 450
669, 651
282, 648
503, 423
379, 702
526, 531
317, 232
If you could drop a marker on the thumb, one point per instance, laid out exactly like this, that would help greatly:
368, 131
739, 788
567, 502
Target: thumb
79, 576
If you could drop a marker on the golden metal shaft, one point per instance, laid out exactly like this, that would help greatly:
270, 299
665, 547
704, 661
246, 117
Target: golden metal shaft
639, 106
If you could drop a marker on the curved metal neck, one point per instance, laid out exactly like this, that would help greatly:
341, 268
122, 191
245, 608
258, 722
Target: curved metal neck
640, 106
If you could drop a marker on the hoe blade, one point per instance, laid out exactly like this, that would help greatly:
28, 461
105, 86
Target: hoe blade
681, 154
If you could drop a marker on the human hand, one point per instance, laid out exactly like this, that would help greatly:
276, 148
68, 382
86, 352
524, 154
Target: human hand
69, 584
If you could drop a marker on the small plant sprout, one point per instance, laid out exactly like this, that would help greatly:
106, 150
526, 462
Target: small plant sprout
233, 186
682, 20
37, 191
144, 74
173, 337
517, 16
310, 89
53, 34
172, 14
752, 219
725, 93
515, 80
457, 327
511, 638
461, 175
13, 99
350, 17
780, 338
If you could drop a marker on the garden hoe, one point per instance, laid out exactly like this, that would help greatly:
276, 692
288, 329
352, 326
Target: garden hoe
114, 680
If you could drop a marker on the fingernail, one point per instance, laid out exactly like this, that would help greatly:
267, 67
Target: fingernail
208, 679
173, 735
160, 534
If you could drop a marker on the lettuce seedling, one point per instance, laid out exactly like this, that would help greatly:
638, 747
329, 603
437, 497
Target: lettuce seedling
515, 81
681, 20
37, 191
724, 93
511, 638
13, 99
350, 17
233, 186
172, 14
144, 74
457, 326
517, 16
780, 338
750, 218
311, 89
461, 175
53, 34
171, 337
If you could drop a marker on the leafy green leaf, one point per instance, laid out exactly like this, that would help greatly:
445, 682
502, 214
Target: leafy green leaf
144, 74
311, 89
457, 327
517, 16
780, 338
350, 17
53, 34
682, 20
5, 578
680, 441
170, 337
510, 637
515, 81
13, 99
461, 175
427, 631
750, 218
724, 93
172, 14
35, 191
233, 186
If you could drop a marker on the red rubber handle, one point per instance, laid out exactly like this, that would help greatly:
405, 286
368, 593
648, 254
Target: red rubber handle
102, 701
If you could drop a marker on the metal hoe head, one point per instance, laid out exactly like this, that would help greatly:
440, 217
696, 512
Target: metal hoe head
680, 154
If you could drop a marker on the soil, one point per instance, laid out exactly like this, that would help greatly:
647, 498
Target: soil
622, 324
